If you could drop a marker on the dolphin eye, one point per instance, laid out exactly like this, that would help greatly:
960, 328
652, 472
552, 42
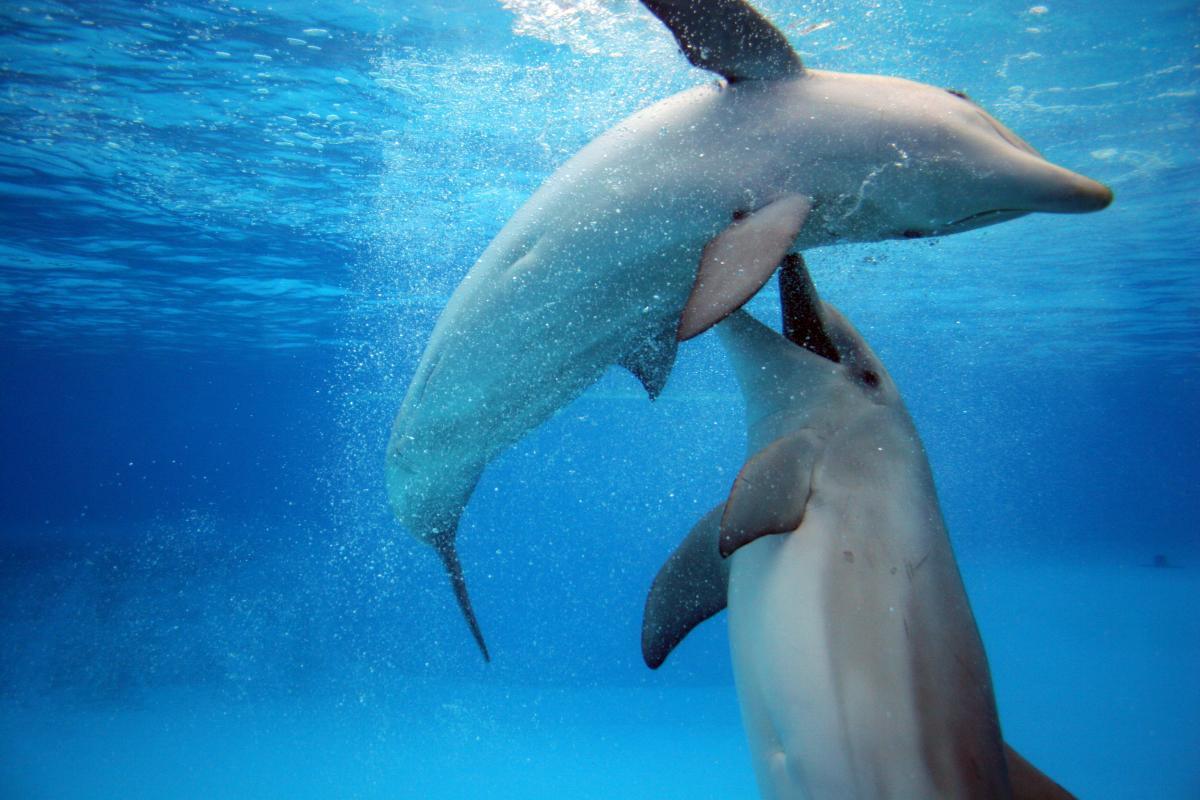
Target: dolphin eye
871, 378
959, 93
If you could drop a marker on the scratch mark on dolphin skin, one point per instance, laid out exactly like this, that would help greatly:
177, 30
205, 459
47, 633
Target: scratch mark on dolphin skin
912, 568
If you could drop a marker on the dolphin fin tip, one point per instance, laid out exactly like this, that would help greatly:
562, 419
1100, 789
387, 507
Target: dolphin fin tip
652, 655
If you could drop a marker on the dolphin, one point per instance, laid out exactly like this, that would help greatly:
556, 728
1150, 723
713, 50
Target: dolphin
858, 663
670, 221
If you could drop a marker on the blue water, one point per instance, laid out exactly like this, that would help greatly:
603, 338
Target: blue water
226, 233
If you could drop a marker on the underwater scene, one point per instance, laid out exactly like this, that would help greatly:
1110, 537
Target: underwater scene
253, 506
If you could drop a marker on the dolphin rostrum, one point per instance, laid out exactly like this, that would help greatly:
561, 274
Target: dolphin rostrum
675, 217
858, 663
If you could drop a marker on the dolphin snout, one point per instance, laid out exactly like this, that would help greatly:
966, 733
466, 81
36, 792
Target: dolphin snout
1093, 195
1060, 191
1075, 194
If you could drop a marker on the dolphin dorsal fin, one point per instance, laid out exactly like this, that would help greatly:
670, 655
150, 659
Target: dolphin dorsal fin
770, 493
728, 37
652, 361
690, 587
739, 260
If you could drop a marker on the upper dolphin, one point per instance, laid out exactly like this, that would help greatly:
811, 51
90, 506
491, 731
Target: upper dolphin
675, 217
858, 664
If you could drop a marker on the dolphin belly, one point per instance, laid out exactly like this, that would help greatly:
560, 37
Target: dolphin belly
793, 726
504, 361
845, 635
599, 260
820, 723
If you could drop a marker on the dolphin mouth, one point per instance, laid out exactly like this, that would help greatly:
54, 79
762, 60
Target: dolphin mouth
969, 222
980, 219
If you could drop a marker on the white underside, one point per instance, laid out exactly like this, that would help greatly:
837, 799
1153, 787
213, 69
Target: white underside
815, 721
827, 628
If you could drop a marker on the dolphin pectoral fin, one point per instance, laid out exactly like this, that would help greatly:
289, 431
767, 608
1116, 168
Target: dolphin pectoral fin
651, 362
729, 38
690, 587
739, 260
770, 493
801, 307
1030, 783
444, 545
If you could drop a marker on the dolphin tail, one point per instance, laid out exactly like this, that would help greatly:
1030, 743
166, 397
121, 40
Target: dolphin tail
444, 545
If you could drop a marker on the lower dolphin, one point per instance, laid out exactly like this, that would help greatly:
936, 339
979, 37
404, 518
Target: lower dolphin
858, 663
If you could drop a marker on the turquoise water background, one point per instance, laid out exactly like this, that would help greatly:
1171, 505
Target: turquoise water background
226, 233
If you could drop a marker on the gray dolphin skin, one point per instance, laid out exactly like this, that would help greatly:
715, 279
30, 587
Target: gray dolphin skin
858, 664
671, 220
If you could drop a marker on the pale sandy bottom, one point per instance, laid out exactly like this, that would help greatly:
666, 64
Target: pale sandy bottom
1095, 671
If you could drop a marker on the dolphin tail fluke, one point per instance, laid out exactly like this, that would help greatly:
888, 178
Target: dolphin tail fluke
444, 545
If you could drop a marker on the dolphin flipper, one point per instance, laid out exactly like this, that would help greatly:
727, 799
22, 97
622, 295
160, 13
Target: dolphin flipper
729, 38
770, 493
1029, 782
689, 588
651, 362
739, 260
